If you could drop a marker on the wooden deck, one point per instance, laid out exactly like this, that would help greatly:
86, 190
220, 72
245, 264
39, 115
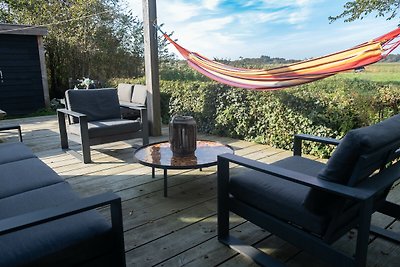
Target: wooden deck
179, 230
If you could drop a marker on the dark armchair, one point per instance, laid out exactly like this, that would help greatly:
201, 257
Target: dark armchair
311, 204
94, 118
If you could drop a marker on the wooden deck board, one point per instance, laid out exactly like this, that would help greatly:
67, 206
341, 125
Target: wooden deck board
179, 230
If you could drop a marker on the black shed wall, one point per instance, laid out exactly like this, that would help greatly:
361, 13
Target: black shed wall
21, 88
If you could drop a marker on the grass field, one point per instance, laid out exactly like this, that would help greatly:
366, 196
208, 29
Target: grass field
379, 72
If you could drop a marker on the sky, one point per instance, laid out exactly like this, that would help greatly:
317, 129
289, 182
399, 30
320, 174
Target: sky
291, 29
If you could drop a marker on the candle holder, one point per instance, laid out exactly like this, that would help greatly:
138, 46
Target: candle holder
182, 135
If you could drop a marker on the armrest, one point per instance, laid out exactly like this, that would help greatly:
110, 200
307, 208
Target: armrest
70, 112
133, 106
27, 220
298, 141
13, 127
296, 177
10, 127
382, 180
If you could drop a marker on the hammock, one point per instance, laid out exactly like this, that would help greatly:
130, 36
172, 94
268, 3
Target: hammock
293, 74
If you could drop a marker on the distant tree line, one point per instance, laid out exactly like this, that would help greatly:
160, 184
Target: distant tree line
260, 62
99, 39
392, 58
266, 60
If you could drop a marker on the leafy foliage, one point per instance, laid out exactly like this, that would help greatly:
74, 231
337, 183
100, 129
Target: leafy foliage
99, 39
329, 107
358, 9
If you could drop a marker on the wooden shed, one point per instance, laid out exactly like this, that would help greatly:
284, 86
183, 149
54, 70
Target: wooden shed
23, 77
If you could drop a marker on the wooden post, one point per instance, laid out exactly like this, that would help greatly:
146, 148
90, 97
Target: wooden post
151, 66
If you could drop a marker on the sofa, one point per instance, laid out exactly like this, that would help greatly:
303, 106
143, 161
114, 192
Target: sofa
43, 222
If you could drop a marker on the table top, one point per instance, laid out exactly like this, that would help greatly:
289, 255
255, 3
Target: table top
159, 155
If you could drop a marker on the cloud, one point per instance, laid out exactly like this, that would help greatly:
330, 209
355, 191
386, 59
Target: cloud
299, 16
258, 17
211, 4
179, 10
294, 29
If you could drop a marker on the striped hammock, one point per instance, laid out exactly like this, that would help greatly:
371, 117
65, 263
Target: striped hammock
297, 73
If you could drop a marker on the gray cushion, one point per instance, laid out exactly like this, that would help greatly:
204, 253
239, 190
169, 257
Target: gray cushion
14, 151
125, 92
278, 197
341, 165
139, 94
24, 175
38, 242
359, 142
97, 104
108, 127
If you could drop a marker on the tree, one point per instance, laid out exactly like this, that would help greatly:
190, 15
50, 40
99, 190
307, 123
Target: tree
358, 9
95, 38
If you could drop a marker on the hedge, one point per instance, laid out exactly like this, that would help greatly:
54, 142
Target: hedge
329, 107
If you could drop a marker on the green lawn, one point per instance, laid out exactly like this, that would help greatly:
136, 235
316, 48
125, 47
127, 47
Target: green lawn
379, 72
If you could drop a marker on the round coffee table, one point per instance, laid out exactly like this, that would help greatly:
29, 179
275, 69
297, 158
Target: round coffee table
159, 155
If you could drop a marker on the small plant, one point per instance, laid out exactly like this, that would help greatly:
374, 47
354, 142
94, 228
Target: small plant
86, 82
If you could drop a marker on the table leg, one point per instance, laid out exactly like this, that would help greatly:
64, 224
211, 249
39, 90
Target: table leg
165, 183
153, 172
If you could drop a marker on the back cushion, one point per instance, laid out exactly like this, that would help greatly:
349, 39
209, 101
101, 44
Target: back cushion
343, 161
97, 104
125, 92
139, 94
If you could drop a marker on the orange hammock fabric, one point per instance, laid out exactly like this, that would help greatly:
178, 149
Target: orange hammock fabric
293, 74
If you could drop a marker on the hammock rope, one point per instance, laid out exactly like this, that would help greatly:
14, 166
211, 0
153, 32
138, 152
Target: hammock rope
294, 74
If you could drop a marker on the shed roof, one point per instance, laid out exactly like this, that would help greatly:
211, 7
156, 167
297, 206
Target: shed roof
22, 29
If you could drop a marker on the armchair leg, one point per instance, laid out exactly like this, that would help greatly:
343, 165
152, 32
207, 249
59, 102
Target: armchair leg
19, 133
63, 130
145, 126
363, 234
85, 140
86, 153
116, 219
223, 199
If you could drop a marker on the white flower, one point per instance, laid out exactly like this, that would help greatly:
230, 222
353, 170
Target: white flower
86, 82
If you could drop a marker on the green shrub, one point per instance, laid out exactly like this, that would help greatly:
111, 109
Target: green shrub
330, 108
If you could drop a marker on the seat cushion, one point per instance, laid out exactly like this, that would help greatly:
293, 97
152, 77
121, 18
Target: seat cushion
108, 127
278, 197
24, 175
42, 241
14, 151
125, 92
341, 165
97, 104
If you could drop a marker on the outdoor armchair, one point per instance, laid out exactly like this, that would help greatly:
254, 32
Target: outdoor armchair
311, 204
95, 118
